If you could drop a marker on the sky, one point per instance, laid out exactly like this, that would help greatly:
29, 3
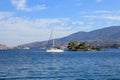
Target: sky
25, 21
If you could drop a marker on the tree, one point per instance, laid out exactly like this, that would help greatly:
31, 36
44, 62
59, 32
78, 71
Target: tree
72, 45
82, 46
75, 46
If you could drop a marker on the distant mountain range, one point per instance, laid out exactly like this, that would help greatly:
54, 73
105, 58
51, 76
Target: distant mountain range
104, 37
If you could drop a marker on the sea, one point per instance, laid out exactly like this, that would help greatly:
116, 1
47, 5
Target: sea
69, 65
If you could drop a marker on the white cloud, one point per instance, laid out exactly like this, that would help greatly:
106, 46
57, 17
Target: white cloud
102, 11
38, 7
91, 16
21, 5
17, 30
109, 17
5, 14
78, 23
104, 14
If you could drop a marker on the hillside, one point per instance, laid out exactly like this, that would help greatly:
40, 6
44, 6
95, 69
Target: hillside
102, 37
109, 33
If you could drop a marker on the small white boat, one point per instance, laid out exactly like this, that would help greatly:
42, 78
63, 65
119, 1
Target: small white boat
53, 49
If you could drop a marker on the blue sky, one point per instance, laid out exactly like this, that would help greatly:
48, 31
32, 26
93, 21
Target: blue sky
24, 21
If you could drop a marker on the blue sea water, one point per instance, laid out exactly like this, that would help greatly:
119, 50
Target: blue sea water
39, 65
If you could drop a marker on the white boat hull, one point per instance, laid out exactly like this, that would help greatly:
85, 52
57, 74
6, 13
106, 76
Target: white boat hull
55, 50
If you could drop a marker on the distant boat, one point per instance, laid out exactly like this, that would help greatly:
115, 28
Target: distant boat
53, 48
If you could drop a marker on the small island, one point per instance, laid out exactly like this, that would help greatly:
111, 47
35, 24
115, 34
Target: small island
83, 46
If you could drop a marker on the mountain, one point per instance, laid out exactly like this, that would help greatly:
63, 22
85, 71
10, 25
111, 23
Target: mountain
109, 33
101, 37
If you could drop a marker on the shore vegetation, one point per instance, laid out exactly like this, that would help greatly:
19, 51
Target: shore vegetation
83, 46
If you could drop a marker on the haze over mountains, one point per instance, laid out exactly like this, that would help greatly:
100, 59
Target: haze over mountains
102, 37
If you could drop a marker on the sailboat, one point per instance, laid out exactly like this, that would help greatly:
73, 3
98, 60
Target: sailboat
53, 48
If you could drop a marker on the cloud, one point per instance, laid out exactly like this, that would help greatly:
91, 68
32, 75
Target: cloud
38, 7
5, 14
19, 30
78, 23
103, 14
21, 5
109, 17
102, 11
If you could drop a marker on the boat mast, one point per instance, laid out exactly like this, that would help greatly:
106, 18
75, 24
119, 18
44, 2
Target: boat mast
53, 42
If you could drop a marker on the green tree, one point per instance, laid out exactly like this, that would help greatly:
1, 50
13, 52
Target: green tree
72, 45
94, 48
83, 46
75, 46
